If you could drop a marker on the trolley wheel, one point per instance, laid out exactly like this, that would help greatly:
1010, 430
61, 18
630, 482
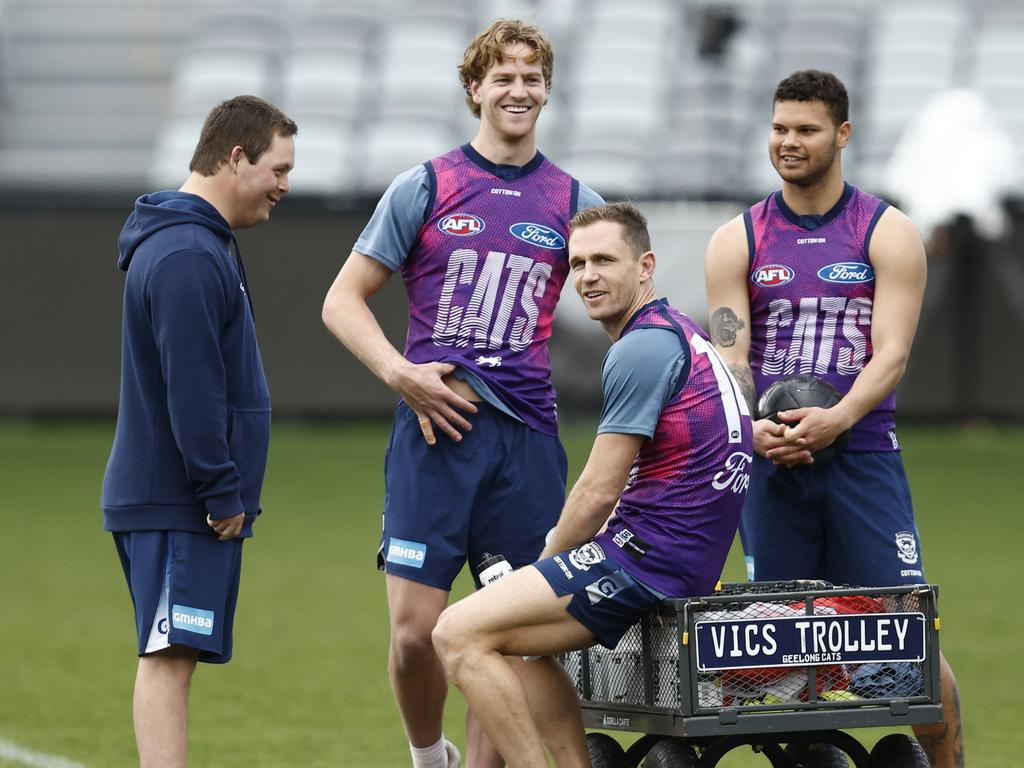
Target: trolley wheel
897, 750
671, 753
821, 755
605, 752
639, 749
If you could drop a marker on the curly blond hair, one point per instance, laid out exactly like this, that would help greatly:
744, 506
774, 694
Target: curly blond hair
488, 48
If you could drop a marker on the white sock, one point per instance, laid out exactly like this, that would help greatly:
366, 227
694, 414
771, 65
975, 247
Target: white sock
434, 756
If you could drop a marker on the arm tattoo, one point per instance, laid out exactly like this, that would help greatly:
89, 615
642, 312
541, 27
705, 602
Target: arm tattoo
745, 378
724, 327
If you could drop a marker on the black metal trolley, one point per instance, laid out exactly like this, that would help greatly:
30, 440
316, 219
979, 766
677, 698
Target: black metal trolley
766, 664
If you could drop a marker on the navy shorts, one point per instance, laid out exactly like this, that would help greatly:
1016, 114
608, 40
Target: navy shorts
849, 522
605, 599
499, 490
184, 586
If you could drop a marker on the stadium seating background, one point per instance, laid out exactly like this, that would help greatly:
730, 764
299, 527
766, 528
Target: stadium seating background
664, 101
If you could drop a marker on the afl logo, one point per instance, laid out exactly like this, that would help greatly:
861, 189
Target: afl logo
773, 275
847, 272
538, 234
461, 224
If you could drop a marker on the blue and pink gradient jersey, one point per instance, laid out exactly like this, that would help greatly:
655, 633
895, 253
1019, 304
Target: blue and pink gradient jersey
485, 272
677, 518
811, 291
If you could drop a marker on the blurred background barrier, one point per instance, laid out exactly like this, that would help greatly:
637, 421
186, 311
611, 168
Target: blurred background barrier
60, 312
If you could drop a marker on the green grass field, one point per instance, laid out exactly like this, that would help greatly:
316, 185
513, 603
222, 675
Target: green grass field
308, 685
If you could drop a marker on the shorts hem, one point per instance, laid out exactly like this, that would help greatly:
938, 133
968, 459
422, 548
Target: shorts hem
423, 579
206, 655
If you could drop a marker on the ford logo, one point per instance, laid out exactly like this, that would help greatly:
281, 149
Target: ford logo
539, 235
847, 272
772, 275
461, 224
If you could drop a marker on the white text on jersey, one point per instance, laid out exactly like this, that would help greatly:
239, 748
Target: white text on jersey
809, 354
487, 319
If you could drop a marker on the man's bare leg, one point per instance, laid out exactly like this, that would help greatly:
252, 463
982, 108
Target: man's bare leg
417, 677
944, 742
160, 706
555, 706
480, 753
518, 615
552, 696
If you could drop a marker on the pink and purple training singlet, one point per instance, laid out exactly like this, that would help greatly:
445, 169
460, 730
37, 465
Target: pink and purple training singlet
811, 289
677, 518
485, 274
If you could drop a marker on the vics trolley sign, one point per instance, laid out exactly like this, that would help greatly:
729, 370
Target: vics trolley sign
801, 640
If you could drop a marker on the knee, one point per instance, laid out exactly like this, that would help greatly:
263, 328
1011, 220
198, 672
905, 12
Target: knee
410, 643
450, 641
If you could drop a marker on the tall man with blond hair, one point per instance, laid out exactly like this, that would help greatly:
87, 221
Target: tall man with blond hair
474, 464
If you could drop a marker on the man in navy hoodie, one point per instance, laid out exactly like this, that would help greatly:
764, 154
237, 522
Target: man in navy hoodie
182, 486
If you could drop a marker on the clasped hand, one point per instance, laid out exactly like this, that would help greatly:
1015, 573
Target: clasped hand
802, 432
227, 528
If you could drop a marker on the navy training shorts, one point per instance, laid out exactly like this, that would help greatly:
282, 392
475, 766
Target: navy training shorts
184, 586
605, 599
848, 522
499, 490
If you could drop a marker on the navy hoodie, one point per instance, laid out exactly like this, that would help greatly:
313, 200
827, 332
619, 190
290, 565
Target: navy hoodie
193, 424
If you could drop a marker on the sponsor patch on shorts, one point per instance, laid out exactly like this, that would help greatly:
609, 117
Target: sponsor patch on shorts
608, 586
410, 553
192, 619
